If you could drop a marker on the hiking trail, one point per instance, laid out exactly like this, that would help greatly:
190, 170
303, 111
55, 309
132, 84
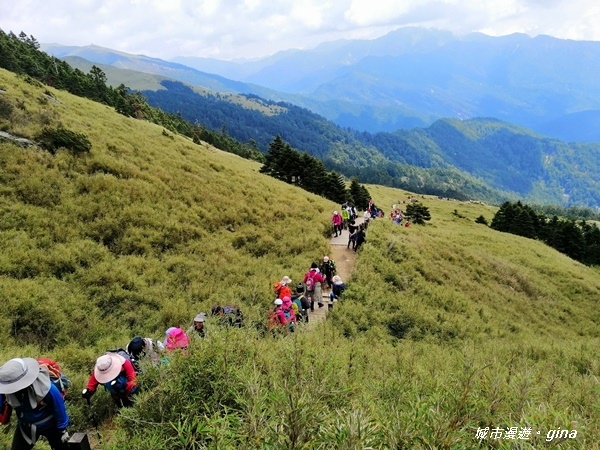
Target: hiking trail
344, 262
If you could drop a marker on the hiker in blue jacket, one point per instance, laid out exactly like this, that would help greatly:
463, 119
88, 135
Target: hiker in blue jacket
38, 403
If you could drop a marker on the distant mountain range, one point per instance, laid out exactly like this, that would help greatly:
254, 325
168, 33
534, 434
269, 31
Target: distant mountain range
408, 78
481, 158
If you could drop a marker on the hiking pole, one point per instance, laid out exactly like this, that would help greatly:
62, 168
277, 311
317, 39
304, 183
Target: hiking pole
92, 416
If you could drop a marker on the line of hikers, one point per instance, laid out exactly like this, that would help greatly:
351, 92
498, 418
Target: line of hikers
35, 388
346, 220
293, 307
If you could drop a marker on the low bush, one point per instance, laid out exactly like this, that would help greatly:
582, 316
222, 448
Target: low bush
53, 139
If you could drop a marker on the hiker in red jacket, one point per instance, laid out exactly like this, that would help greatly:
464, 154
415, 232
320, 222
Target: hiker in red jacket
313, 281
337, 222
118, 377
282, 289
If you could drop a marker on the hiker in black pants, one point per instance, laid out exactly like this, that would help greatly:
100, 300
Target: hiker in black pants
352, 229
361, 237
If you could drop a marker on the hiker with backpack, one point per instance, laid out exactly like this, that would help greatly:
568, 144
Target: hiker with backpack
229, 315
40, 408
176, 339
361, 237
337, 221
278, 322
139, 348
345, 217
336, 291
117, 374
366, 218
301, 302
282, 289
312, 281
352, 230
327, 270
290, 314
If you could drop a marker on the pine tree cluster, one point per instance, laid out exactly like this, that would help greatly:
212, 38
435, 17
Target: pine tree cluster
309, 173
578, 240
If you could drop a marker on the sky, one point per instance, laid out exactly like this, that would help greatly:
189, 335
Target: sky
233, 29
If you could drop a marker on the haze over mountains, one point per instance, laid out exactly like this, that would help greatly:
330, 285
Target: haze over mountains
410, 78
454, 90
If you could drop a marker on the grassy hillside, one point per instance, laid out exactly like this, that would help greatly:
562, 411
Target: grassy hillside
444, 329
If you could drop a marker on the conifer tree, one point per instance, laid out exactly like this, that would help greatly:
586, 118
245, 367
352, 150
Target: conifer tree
336, 188
273, 157
502, 218
355, 193
417, 213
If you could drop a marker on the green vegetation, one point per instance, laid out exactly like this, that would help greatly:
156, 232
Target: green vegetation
444, 328
580, 241
55, 139
21, 55
305, 171
417, 213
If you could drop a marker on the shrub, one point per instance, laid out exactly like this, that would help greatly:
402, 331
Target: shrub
481, 220
6, 108
57, 138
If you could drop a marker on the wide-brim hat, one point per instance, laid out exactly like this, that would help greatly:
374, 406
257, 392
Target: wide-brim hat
108, 367
286, 280
201, 317
17, 374
177, 339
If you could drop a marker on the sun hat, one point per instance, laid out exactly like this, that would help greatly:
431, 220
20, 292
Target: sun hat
278, 301
326, 258
177, 339
286, 280
17, 374
336, 279
201, 317
108, 367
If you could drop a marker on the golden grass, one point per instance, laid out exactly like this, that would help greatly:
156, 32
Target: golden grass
444, 328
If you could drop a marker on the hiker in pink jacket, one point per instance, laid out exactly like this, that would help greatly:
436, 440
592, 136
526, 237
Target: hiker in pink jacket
337, 221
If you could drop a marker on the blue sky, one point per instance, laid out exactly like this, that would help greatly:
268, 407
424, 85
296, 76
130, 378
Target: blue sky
229, 29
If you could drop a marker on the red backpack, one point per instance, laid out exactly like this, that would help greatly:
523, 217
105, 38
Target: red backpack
60, 380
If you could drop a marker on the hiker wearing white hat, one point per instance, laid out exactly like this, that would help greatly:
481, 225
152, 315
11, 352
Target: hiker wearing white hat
39, 406
198, 328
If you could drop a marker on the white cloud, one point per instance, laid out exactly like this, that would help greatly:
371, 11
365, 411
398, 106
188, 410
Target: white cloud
249, 28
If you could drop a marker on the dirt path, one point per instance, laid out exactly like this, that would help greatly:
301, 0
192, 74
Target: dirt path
344, 262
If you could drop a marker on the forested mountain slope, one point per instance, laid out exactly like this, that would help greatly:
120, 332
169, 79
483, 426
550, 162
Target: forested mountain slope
411, 77
485, 159
478, 158
444, 329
